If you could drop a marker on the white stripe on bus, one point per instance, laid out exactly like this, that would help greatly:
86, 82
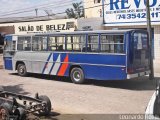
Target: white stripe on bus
56, 66
49, 65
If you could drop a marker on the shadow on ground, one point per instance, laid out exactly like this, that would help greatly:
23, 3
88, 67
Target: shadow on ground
142, 83
18, 89
52, 116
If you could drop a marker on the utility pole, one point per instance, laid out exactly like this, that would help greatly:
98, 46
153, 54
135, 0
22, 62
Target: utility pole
36, 10
151, 75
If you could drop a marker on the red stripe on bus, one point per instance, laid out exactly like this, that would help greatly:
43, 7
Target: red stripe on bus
63, 67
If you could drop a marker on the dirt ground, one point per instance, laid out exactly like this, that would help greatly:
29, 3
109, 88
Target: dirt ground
1, 61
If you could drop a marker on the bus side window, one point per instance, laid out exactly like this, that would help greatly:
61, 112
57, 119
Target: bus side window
24, 43
60, 47
112, 43
60, 43
105, 46
93, 43
119, 44
56, 43
75, 43
52, 43
39, 43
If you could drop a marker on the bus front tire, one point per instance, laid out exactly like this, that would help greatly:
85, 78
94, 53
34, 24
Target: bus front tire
21, 69
77, 75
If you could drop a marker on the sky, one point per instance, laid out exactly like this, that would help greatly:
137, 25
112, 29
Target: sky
22, 8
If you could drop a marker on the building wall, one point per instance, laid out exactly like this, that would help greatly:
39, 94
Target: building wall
7, 29
94, 8
39, 26
95, 23
157, 48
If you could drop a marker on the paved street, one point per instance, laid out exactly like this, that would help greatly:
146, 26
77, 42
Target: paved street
130, 96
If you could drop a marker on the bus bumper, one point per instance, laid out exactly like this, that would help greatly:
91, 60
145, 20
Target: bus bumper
129, 76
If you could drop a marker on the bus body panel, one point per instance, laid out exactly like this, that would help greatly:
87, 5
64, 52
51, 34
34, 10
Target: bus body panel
34, 61
104, 73
98, 66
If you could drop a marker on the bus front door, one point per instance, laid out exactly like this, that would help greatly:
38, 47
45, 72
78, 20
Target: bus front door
9, 51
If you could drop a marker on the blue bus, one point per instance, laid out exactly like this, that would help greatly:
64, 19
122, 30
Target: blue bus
81, 55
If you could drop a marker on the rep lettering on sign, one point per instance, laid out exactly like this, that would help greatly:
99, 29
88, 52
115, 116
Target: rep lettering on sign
127, 12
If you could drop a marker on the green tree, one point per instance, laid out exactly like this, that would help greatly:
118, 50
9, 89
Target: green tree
76, 12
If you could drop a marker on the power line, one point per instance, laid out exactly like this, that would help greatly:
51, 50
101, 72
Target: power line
74, 10
33, 9
33, 18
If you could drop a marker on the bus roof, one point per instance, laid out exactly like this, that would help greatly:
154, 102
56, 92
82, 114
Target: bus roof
117, 31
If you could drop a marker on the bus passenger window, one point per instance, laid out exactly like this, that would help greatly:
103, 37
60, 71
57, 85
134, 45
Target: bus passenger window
24, 43
60, 47
75, 43
39, 43
112, 44
119, 44
93, 43
56, 43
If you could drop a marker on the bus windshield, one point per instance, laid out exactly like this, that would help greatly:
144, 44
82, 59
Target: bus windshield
141, 51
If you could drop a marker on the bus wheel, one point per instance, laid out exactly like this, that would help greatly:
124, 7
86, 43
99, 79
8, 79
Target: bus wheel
21, 69
77, 75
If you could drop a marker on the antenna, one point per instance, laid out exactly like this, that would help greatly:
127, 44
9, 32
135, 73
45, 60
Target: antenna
36, 10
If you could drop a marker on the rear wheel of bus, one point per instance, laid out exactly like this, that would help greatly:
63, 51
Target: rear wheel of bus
21, 69
77, 75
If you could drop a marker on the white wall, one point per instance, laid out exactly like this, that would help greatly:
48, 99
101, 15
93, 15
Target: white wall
95, 23
42, 26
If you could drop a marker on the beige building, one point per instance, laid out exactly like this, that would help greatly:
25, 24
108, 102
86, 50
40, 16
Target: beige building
94, 8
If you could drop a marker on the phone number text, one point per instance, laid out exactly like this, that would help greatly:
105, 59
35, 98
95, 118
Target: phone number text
137, 15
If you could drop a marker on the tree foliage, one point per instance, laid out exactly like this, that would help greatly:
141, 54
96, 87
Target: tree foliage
76, 12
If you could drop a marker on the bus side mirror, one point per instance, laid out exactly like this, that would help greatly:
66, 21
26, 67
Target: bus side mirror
156, 108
